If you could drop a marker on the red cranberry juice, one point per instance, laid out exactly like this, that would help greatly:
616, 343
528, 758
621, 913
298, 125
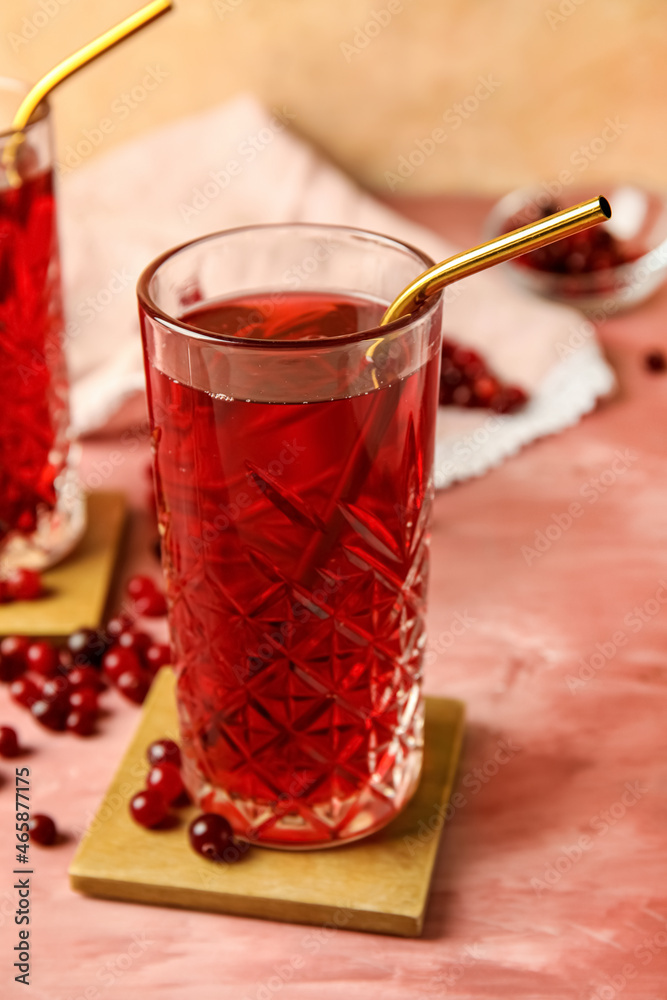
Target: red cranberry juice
34, 411
295, 542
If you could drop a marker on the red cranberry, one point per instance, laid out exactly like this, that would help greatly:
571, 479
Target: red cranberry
13, 649
152, 605
148, 808
9, 743
85, 677
133, 685
212, 836
42, 657
51, 714
87, 647
121, 623
80, 722
166, 779
137, 641
118, 660
24, 691
164, 751
140, 586
42, 829
5, 597
157, 655
56, 689
655, 361
24, 584
84, 700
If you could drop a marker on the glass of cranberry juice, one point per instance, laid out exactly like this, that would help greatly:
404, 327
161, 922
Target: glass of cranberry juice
41, 507
293, 445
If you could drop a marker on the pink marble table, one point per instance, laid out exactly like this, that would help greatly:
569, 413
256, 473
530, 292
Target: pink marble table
552, 878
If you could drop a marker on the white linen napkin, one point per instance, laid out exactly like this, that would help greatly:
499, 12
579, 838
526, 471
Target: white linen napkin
240, 164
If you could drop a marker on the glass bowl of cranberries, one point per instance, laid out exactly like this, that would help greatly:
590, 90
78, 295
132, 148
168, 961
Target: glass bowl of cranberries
608, 267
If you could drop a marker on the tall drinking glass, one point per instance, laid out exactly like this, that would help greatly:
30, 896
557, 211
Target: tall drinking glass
41, 506
293, 443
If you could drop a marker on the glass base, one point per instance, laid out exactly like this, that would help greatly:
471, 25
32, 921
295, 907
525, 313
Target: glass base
58, 531
315, 825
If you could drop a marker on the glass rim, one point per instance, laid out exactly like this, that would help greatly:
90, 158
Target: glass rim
176, 325
9, 83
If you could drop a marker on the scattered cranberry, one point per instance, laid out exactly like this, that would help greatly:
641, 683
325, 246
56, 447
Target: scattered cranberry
9, 742
42, 657
24, 691
13, 649
4, 592
164, 751
51, 714
85, 677
118, 660
655, 361
166, 779
80, 722
148, 808
84, 700
88, 646
133, 685
118, 624
137, 641
157, 655
212, 836
140, 586
42, 829
152, 605
24, 584
56, 688
466, 381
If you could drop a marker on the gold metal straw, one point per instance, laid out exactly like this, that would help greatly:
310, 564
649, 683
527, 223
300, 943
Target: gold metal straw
505, 247
70, 65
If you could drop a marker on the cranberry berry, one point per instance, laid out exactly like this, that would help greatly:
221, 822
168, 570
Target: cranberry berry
148, 808
119, 660
85, 677
42, 829
166, 779
152, 605
42, 657
51, 714
84, 700
164, 751
212, 836
157, 655
80, 722
9, 743
13, 649
24, 691
140, 586
24, 585
655, 361
134, 685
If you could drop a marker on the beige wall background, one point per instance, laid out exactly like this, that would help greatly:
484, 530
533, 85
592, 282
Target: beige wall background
474, 95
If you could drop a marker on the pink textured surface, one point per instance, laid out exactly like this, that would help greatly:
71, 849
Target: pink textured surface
510, 914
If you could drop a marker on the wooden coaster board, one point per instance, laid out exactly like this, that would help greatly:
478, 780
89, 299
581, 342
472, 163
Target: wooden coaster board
378, 884
77, 588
